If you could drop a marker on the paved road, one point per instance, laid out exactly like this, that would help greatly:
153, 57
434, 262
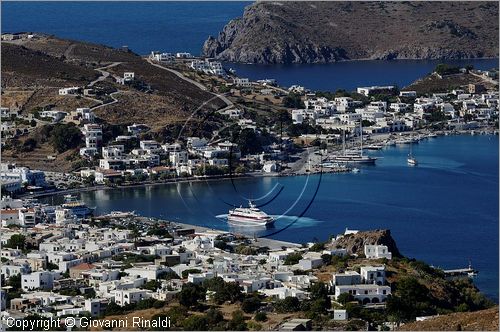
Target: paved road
486, 79
198, 84
104, 74
178, 74
107, 104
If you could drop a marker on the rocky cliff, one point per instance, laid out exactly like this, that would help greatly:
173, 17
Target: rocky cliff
320, 32
355, 243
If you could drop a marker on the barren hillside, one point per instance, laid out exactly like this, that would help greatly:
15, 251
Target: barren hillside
315, 32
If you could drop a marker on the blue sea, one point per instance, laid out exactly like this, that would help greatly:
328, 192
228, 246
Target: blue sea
444, 211
184, 26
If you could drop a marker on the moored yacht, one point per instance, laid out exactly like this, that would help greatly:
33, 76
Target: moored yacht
77, 207
249, 216
357, 157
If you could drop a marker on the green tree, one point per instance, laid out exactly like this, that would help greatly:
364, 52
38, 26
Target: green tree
214, 316
14, 281
191, 294
319, 246
177, 314
65, 137
288, 304
344, 298
293, 100
293, 258
152, 285
237, 322
260, 317
195, 323
250, 304
247, 142
185, 273
89, 180
444, 69
223, 291
16, 241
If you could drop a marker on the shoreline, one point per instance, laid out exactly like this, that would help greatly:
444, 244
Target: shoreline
488, 130
259, 242
143, 184
353, 60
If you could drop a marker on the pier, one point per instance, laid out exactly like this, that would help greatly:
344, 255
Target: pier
467, 272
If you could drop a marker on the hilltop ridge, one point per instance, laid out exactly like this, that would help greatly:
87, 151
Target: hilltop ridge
321, 32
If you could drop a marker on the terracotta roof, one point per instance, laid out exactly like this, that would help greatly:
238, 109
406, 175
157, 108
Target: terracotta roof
83, 266
10, 211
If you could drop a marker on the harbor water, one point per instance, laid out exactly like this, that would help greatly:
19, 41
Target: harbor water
443, 211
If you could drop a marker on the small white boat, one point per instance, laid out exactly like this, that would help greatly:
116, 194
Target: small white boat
355, 170
412, 161
374, 147
120, 214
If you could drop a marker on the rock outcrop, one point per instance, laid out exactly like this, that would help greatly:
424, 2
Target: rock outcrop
355, 243
321, 32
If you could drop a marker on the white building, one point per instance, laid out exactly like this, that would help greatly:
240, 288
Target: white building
408, 94
54, 115
113, 152
37, 280
137, 128
346, 278
373, 274
161, 57
208, 67
86, 114
369, 90
183, 55
377, 251
150, 272
128, 296
22, 174
340, 314
68, 91
242, 82
93, 135
199, 278
178, 158
365, 294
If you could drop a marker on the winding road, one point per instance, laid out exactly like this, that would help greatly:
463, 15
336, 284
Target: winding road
229, 104
104, 74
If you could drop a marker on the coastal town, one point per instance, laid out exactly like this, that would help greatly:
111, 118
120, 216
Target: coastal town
62, 260
304, 123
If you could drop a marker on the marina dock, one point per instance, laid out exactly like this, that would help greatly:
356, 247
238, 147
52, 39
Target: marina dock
467, 272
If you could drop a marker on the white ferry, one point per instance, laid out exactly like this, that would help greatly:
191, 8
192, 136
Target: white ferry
250, 216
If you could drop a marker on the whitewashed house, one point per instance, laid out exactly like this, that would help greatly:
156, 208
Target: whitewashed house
377, 251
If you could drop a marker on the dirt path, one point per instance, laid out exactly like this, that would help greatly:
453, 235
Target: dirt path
68, 51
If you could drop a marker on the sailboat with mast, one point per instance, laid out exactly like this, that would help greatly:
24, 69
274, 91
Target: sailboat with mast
411, 160
356, 157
